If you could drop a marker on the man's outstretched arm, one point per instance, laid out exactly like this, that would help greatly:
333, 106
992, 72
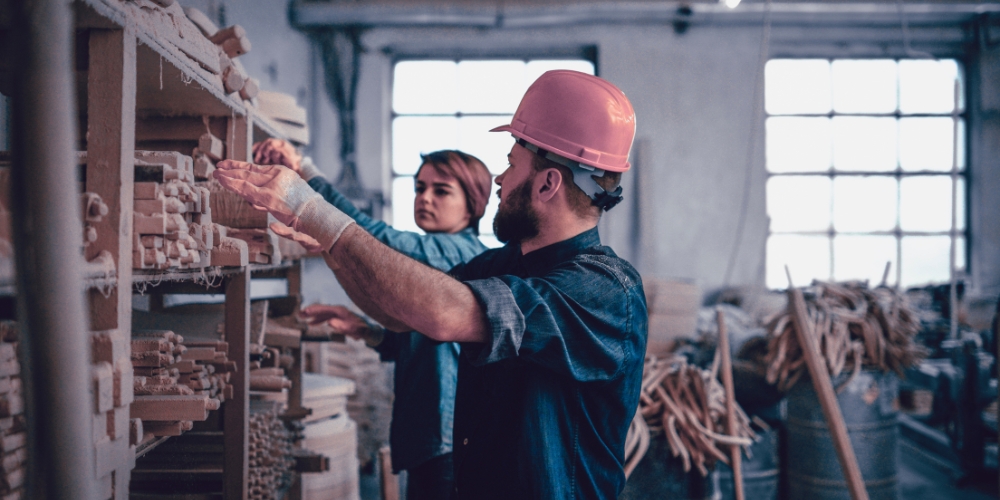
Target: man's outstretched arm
421, 297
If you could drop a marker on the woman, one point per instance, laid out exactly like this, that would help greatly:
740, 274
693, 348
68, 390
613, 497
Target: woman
452, 189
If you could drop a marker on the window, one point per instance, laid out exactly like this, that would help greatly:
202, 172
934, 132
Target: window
866, 166
448, 104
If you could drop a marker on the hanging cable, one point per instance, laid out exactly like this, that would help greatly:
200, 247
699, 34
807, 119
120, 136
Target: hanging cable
905, 26
758, 104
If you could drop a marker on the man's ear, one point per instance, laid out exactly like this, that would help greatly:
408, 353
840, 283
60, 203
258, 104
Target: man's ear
549, 183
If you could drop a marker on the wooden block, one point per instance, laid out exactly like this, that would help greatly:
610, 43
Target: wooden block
5, 385
151, 359
108, 346
12, 442
199, 354
173, 159
135, 431
109, 455
203, 168
207, 27
232, 80
185, 366
9, 368
269, 383
250, 89
151, 241
234, 31
150, 207
235, 47
164, 428
174, 205
175, 223
118, 422
123, 382
102, 375
151, 345
147, 190
149, 224
15, 459
100, 426
281, 336
211, 146
171, 408
12, 480
230, 252
231, 210
7, 352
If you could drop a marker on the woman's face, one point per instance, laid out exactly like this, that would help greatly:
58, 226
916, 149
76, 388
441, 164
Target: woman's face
439, 206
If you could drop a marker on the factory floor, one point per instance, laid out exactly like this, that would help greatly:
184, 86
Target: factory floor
923, 477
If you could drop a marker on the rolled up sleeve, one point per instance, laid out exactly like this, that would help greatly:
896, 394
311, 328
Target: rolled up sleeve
504, 317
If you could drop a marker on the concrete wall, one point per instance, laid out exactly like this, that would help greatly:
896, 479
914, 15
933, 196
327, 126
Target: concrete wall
984, 172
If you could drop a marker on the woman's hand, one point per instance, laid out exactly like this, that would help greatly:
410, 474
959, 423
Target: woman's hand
277, 152
342, 320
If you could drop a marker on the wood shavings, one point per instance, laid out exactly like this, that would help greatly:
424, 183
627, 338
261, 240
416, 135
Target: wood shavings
687, 405
856, 327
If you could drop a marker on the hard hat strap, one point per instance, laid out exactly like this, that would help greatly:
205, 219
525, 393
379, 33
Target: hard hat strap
583, 177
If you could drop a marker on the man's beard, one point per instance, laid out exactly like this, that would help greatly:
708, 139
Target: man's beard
516, 220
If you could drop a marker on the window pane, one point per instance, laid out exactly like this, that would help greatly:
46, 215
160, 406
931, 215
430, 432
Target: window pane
402, 204
492, 148
797, 86
864, 144
798, 144
925, 204
490, 86
928, 144
413, 135
864, 203
807, 257
864, 258
927, 86
486, 223
864, 86
926, 258
798, 203
425, 87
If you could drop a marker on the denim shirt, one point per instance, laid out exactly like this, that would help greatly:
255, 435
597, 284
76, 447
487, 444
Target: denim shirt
426, 370
544, 405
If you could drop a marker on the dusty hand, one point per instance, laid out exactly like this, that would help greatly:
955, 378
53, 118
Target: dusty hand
342, 320
277, 152
286, 196
307, 242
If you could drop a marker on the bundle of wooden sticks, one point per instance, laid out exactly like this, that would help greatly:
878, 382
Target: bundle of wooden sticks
688, 405
854, 327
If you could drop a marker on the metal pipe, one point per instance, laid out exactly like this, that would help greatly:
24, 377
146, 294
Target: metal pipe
54, 346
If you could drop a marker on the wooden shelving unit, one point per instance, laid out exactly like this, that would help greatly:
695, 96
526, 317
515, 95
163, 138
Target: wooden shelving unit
142, 77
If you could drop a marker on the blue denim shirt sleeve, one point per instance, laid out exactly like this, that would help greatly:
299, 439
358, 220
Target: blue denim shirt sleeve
532, 318
441, 251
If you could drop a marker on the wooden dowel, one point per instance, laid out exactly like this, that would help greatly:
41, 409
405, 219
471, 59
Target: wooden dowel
827, 398
735, 455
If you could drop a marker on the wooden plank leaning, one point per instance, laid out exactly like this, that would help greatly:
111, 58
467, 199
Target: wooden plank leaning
735, 451
827, 398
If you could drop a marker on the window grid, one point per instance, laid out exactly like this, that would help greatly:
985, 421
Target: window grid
957, 174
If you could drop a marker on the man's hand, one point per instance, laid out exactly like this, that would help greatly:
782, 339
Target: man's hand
342, 320
277, 152
286, 196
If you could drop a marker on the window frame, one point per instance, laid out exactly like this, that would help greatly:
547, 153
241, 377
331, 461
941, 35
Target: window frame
956, 173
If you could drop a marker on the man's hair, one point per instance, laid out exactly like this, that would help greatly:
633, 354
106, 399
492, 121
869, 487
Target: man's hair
581, 204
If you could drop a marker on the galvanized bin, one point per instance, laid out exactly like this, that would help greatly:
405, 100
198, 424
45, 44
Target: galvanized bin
869, 406
660, 475
760, 470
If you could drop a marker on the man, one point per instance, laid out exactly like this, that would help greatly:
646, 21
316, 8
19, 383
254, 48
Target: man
553, 324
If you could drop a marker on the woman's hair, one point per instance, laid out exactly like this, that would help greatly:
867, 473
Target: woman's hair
471, 174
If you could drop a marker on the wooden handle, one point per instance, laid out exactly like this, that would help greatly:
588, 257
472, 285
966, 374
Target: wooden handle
735, 455
827, 398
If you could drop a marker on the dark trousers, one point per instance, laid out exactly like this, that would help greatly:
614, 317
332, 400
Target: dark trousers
431, 480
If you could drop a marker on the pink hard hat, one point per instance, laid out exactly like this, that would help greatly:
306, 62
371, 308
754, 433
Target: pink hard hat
578, 116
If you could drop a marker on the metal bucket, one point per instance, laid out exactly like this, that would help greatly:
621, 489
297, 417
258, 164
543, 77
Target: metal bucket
660, 475
869, 407
760, 471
